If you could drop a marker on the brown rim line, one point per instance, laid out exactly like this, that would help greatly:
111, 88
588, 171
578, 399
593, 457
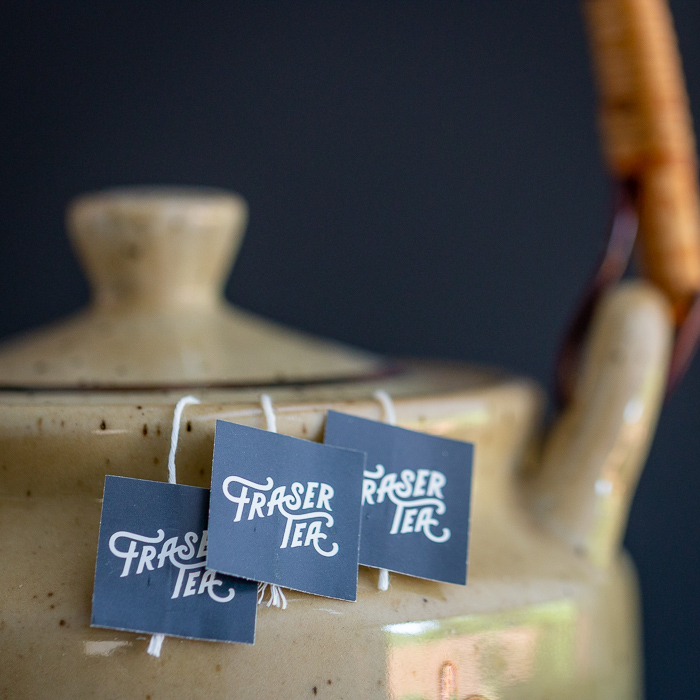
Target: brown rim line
392, 369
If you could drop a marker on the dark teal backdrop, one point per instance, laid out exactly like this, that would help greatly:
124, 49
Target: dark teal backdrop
423, 177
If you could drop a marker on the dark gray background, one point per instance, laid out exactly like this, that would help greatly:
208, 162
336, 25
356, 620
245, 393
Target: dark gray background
424, 179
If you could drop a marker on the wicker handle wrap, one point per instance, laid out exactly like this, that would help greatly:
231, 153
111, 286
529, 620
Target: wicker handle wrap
648, 136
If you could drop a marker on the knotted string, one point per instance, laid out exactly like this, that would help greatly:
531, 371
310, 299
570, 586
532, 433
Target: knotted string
277, 597
156, 643
389, 417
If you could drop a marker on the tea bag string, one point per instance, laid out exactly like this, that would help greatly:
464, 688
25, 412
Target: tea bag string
156, 643
277, 597
389, 411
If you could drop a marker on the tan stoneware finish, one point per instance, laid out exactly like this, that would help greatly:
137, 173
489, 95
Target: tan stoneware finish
550, 609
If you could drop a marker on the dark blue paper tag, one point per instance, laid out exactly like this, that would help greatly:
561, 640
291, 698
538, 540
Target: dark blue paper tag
415, 498
151, 574
285, 511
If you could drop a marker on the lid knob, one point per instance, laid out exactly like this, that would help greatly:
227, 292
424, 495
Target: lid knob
157, 259
156, 247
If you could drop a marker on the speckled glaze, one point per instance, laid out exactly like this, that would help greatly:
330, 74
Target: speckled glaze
550, 608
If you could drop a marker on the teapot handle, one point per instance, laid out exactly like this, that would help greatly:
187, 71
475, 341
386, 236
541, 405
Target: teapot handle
595, 452
629, 342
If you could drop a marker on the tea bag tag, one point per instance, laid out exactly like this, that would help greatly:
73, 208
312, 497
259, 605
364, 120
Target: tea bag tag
151, 573
285, 511
415, 498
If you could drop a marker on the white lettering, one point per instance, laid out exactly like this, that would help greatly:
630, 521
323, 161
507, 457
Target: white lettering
187, 552
421, 479
147, 555
202, 551
257, 505
386, 486
242, 498
408, 518
209, 580
177, 555
295, 502
314, 534
324, 497
169, 549
404, 488
369, 487
309, 498
190, 588
437, 481
418, 496
178, 581
287, 529
425, 521
291, 504
276, 500
131, 553
298, 533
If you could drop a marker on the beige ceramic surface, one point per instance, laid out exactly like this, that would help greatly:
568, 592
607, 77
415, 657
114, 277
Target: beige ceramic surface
550, 608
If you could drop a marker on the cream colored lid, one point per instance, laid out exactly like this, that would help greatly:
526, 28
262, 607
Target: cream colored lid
157, 260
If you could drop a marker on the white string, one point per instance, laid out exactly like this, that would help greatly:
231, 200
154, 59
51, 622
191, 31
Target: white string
270, 417
156, 643
175, 434
389, 417
277, 597
387, 406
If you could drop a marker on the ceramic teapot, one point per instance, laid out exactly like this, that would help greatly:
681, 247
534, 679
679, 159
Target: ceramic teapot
550, 601
550, 608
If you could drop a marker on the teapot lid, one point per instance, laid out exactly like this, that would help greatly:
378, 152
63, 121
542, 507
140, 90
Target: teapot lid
157, 260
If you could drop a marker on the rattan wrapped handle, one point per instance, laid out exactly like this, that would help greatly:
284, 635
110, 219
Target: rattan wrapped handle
648, 136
